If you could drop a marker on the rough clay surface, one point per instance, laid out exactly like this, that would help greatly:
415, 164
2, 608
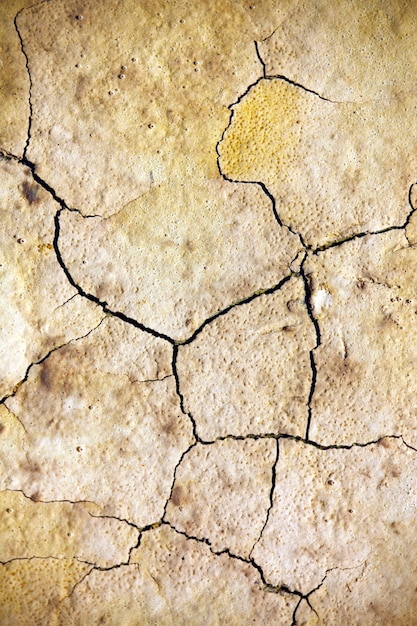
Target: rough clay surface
208, 323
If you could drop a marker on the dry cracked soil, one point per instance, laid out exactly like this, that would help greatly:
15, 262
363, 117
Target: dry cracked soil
208, 321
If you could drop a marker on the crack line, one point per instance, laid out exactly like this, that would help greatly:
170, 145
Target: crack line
35, 500
42, 360
309, 305
260, 59
80, 290
340, 242
247, 300
22, 47
91, 297
252, 182
299, 86
306, 596
180, 395
271, 496
183, 455
267, 586
309, 442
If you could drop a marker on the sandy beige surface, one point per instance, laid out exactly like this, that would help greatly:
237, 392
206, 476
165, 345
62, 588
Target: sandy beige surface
208, 320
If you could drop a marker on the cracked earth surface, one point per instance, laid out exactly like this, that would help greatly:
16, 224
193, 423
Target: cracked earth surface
208, 330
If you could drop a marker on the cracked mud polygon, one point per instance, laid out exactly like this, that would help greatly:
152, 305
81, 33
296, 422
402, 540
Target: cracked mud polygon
208, 330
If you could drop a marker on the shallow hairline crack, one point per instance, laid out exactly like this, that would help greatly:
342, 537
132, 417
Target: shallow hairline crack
42, 360
183, 455
119, 519
260, 59
132, 547
36, 500
148, 380
407, 444
271, 497
45, 558
78, 583
3, 402
75, 295
60, 347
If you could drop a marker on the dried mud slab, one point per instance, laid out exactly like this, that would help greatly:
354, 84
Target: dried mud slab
366, 310
345, 50
171, 270
101, 426
31, 529
248, 372
39, 309
176, 581
351, 514
334, 169
209, 498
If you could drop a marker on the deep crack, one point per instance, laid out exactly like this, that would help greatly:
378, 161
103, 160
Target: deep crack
314, 321
250, 561
180, 395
